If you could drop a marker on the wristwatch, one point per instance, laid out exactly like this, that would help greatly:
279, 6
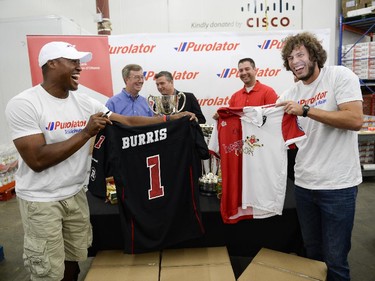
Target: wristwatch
305, 109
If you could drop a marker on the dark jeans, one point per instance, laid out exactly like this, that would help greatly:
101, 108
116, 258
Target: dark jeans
326, 218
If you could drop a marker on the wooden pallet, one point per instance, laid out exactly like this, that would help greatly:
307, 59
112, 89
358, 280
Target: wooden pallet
7, 191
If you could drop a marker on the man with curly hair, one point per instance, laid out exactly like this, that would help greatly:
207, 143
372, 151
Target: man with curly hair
328, 103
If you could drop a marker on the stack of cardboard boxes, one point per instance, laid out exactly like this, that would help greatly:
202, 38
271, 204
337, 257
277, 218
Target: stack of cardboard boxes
209, 264
360, 58
8, 168
115, 265
202, 264
368, 109
361, 7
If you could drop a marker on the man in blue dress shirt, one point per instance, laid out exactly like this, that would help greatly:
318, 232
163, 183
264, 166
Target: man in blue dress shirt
128, 101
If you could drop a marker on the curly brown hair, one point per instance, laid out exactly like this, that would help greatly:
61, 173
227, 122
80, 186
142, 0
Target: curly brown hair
311, 43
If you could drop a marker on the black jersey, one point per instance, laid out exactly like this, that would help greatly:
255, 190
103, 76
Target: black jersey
155, 173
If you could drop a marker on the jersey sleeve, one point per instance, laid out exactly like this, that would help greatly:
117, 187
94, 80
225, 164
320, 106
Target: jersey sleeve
213, 144
200, 143
292, 131
100, 168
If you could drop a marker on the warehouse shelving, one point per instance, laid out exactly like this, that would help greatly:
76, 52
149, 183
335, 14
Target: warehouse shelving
365, 27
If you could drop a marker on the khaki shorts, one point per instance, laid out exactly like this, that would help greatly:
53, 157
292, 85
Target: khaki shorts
55, 232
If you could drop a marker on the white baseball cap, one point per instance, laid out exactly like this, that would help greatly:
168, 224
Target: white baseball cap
54, 50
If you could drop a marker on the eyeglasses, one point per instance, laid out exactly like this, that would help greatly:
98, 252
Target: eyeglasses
137, 77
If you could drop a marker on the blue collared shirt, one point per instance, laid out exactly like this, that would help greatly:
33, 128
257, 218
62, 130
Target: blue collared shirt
125, 104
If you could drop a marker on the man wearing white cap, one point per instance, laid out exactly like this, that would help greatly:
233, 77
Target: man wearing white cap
51, 126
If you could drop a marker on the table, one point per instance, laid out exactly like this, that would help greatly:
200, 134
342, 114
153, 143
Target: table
246, 238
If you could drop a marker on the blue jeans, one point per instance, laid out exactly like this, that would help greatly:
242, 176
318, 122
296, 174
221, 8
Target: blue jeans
326, 218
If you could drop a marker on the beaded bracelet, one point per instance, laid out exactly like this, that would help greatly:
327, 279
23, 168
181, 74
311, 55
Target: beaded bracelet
166, 118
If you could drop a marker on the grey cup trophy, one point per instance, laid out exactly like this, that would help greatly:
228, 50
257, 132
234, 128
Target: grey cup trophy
166, 104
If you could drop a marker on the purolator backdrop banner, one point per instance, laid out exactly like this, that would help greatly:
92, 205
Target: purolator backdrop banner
202, 63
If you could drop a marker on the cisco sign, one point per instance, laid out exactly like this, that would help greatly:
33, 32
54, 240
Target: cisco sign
274, 14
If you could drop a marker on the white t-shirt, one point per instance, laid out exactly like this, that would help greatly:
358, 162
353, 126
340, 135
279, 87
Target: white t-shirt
329, 157
35, 111
267, 133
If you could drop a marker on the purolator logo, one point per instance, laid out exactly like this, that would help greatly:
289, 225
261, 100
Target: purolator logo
260, 72
271, 44
58, 125
177, 75
207, 47
131, 49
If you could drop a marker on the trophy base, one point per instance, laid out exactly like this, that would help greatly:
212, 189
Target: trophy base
208, 194
208, 189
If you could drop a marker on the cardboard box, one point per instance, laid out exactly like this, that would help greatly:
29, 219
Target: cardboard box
272, 265
208, 264
117, 266
368, 3
350, 5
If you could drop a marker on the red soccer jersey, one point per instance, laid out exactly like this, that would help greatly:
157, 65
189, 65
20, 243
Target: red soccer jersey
229, 137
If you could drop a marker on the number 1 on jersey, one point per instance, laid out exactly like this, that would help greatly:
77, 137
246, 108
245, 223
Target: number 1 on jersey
156, 190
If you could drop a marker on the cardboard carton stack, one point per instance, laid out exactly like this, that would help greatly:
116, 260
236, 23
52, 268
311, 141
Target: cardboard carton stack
8, 168
366, 152
368, 109
357, 7
202, 264
350, 5
117, 266
208, 264
272, 265
360, 58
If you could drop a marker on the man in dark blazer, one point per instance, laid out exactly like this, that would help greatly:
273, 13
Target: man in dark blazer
164, 83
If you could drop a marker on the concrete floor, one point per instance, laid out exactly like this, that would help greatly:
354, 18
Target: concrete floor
362, 255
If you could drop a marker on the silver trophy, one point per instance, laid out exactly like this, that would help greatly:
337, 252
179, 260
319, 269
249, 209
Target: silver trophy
166, 104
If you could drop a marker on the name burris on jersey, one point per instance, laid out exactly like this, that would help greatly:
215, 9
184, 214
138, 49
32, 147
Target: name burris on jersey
146, 138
